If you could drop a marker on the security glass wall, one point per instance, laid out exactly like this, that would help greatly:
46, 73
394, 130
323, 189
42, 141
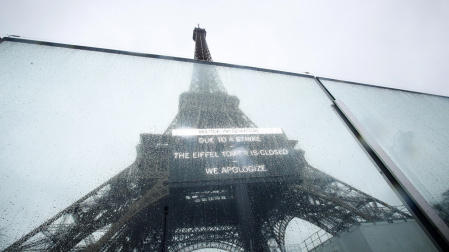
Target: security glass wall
412, 128
227, 159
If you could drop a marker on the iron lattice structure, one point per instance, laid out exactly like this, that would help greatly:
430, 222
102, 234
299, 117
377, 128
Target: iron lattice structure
139, 210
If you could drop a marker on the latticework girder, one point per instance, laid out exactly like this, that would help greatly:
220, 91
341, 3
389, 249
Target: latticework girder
188, 239
110, 218
334, 205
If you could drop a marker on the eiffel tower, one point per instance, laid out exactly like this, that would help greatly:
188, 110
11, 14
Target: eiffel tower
161, 203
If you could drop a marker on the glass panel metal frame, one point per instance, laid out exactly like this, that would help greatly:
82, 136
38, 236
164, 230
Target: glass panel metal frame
435, 227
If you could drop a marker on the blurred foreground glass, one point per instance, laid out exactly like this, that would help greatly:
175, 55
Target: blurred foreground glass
71, 119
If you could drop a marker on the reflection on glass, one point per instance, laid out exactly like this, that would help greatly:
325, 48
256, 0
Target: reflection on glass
252, 161
411, 128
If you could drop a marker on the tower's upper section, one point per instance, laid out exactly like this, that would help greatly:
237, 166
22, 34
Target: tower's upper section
201, 49
207, 105
205, 78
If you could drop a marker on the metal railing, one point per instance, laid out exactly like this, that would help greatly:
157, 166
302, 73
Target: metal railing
310, 242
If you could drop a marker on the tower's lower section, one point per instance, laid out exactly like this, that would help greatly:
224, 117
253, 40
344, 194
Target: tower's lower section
140, 209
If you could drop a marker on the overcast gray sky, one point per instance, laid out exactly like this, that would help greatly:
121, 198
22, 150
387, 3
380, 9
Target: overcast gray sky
395, 43
401, 44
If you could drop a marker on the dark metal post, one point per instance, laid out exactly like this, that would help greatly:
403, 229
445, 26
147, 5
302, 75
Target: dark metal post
165, 228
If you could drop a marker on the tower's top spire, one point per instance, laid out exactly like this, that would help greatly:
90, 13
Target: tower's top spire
201, 49
205, 78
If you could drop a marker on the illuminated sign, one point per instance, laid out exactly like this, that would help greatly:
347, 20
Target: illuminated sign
223, 154
231, 131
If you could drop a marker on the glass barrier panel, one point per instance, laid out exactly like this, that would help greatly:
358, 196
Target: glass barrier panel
412, 128
227, 158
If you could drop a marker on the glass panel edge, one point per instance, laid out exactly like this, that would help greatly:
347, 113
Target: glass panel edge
415, 198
